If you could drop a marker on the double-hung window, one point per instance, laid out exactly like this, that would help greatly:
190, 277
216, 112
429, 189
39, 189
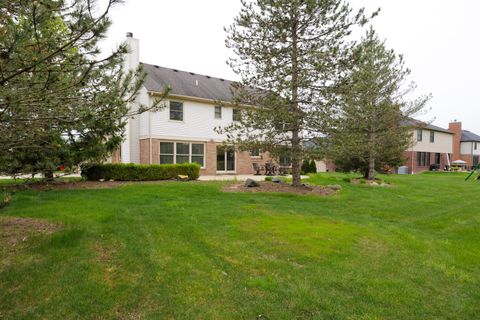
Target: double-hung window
198, 153
176, 111
167, 152
432, 136
182, 152
419, 135
236, 115
255, 152
218, 112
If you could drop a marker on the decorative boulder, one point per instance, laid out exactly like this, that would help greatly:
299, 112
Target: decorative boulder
250, 183
182, 178
277, 180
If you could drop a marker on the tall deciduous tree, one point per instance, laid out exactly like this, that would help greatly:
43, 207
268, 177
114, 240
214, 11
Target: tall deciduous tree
288, 54
373, 126
60, 102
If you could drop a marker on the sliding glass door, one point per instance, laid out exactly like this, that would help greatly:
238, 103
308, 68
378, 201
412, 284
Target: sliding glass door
225, 159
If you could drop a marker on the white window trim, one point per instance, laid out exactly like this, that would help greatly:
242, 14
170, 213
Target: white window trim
215, 112
227, 171
189, 151
256, 157
169, 112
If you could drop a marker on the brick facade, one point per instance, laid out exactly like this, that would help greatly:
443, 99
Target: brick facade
116, 157
243, 162
410, 160
145, 151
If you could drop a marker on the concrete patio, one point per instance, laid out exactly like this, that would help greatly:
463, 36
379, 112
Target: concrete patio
240, 177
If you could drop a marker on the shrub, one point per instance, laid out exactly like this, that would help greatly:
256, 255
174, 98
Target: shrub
5, 199
305, 167
268, 178
313, 166
139, 172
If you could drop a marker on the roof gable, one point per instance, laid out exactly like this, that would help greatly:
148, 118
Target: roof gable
423, 125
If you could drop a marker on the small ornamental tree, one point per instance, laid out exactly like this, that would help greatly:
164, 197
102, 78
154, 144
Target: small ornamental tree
373, 126
289, 55
60, 102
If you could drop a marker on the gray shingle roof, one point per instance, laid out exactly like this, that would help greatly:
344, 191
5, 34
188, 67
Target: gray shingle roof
468, 136
424, 125
187, 83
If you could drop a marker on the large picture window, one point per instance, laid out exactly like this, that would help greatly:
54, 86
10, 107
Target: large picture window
182, 152
176, 111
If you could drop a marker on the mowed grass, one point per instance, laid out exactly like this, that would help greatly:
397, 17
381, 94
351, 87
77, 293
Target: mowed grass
189, 251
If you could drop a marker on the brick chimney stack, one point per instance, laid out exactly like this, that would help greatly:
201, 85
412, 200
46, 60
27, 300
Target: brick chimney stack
456, 128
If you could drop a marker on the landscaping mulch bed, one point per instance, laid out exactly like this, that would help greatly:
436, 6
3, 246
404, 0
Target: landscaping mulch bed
64, 185
281, 187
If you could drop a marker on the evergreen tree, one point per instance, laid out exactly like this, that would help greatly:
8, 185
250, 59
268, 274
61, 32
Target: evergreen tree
60, 102
289, 54
313, 166
305, 167
373, 127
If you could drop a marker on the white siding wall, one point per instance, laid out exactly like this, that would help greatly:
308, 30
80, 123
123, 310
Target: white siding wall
443, 142
469, 148
198, 123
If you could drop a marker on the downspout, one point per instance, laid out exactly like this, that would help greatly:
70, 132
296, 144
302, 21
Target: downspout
150, 135
412, 158
471, 155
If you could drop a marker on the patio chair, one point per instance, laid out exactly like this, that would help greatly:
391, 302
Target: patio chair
257, 168
270, 169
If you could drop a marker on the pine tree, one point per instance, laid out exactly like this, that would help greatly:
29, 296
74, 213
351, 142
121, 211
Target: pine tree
60, 102
289, 54
372, 128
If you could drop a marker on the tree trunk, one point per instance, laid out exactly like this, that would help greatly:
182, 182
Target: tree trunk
371, 158
296, 160
296, 146
48, 175
371, 168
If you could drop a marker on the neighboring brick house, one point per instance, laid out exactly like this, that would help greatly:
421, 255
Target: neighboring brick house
431, 145
183, 131
466, 144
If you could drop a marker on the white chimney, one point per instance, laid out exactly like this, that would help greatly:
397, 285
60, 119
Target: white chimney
132, 58
130, 63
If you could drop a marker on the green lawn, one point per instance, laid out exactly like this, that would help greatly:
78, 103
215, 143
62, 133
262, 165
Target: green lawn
188, 251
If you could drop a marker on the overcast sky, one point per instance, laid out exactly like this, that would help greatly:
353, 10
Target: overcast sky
438, 38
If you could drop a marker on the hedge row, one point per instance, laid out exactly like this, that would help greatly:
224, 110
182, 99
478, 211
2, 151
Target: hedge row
139, 172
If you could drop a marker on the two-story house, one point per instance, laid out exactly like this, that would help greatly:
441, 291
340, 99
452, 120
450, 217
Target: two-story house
431, 145
183, 131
